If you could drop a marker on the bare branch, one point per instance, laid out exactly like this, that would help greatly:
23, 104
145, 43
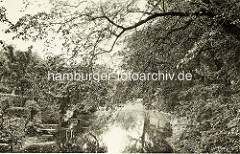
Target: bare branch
75, 6
139, 11
115, 41
156, 15
93, 54
178, 14
163, 6
67, 21
109, 20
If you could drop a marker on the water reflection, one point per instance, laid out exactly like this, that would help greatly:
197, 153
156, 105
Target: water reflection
136, 129
115, 139
131, 128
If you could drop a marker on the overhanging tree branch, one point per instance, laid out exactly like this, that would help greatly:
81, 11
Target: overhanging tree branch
114, 42
177, 14
151, 17
122, 29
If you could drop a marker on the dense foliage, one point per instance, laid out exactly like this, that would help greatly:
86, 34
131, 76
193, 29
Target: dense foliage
200, 37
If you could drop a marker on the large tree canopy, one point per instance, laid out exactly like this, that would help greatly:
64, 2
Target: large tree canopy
96, 27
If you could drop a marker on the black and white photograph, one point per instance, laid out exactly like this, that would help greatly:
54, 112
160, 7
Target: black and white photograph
119, 76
